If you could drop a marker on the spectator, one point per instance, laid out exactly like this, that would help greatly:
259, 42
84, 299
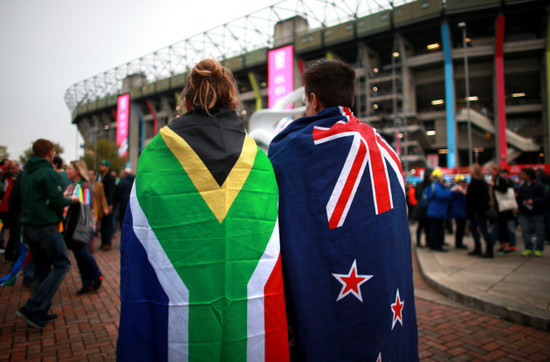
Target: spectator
531, 196
42, 205
439, 201
122, 192
411, 199
342, 226
15, 207
106, 222
421, 209
477, 203
58, 167
87, 266
458, 209
498, 184
200, 267
544, 178
101, 208
511, 224
10, 218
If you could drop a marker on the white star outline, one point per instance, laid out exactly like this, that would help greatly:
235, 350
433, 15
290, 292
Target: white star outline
397, 317
341, 278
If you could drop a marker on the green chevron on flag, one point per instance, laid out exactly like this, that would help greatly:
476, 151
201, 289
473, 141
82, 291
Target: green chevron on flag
214, 250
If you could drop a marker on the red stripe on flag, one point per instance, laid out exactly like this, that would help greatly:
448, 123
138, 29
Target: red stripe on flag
378, 169
391, 152
375, 158
348, 186
276, 338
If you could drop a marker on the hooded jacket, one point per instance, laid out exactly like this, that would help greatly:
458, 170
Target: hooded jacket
41, 194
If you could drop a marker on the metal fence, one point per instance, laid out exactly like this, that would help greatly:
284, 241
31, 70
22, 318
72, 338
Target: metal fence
239, 36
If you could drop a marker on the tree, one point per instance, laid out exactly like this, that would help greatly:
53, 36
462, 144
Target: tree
28, 152
104, 150
4, 154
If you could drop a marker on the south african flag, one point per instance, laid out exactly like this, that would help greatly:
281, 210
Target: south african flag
200, 261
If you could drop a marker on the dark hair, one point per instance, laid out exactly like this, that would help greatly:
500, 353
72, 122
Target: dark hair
210, 85
332, 81
530, 173
41, 147
58, 162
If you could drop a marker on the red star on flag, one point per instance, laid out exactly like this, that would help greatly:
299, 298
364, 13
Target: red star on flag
397, 309
351, 282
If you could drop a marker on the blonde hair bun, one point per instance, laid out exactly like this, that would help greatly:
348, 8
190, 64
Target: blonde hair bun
210, 85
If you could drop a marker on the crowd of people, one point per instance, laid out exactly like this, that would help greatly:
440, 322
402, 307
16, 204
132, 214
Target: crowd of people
35, 208
491, 205
223, 245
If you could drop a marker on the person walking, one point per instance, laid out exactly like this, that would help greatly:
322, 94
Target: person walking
477, 203
91, 276
42, 206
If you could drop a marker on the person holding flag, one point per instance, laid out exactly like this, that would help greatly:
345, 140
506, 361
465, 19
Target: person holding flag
200, 267
345, 240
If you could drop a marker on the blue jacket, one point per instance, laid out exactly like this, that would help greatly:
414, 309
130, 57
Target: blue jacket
439, 199
458, 205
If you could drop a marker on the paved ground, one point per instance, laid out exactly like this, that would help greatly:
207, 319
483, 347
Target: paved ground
511, 286
87, 326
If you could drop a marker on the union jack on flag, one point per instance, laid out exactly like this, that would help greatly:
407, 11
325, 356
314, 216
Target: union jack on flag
345, 241
367, 148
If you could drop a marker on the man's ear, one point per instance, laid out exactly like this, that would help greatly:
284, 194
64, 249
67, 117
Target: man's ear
317, 106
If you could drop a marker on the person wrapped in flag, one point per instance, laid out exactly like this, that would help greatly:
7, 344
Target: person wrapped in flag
345, 241
201, 272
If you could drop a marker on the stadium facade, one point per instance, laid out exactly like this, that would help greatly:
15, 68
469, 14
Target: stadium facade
447, 82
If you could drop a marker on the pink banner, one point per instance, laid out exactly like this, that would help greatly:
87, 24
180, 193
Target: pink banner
122, 117
280, 69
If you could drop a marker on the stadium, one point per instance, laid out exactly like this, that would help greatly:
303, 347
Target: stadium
448, 83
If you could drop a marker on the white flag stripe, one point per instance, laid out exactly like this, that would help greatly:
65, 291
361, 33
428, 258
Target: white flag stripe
175, 289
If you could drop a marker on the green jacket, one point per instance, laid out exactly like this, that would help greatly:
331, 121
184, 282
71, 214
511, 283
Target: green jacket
41, 194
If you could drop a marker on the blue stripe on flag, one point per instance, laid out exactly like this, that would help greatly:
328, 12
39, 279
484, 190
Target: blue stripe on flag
145, 312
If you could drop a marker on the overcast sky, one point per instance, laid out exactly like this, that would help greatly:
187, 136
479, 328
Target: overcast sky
46, 46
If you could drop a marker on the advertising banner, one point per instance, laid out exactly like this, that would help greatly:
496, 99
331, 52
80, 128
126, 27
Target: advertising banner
122, 120
280, 68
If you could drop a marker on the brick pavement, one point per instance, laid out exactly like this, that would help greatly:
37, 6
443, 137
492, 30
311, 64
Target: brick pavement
87, 326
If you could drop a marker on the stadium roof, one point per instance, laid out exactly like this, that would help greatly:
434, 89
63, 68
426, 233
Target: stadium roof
235, 37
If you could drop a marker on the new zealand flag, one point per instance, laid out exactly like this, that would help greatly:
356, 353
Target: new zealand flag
345, 241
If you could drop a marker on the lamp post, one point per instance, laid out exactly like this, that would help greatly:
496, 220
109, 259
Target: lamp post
462, 25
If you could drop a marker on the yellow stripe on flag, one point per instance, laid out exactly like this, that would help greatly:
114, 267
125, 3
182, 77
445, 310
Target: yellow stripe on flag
219, 199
